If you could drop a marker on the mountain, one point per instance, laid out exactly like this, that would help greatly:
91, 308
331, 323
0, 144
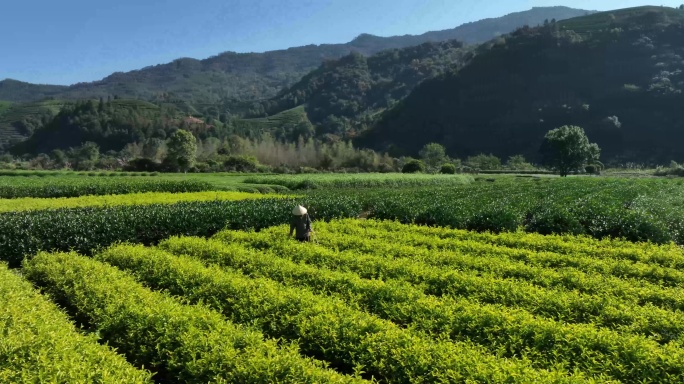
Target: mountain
479, 31
18, 91
619, 75
229, 78
110, 124
342, 96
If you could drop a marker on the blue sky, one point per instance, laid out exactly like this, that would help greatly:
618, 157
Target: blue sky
69, 41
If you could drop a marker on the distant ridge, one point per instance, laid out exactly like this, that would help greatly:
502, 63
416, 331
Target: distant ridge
234, 76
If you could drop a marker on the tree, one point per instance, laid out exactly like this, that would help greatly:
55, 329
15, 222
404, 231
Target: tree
59, 157
89, 151
413, 166
518, 162
567, 149
154, 149
433, 154
182, 149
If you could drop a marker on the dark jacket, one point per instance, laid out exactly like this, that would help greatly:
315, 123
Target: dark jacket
301, 225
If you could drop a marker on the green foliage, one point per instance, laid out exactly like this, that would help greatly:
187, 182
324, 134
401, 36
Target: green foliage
638, 210
241, 164
343, 96
87, 229
332, 182
4, 106
433, 154
518, 162
494, 220
592, 169
413, 166
111, 125
567, 149
429, 280
473, 111
288, 125
178, 342
554, 219
675, 169
182, 149
40, 344
13, 187
483, 162
323, 327
17, 121
447, 169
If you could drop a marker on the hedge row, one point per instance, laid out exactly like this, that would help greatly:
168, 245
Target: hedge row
87, 229
567, 305
591, 271
145, 198
506, 331
11, 188
365, 180
323, 327
38, 343
179, 343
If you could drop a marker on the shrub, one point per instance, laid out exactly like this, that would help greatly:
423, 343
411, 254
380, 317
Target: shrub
413, 166
180, 343
241, 164
592, 169
73, 187
448, 169
307, 170
142, 164
40, 344
483, 162
553, 221
494, 220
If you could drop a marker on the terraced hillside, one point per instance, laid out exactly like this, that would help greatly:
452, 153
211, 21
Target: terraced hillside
288, 124
18, 121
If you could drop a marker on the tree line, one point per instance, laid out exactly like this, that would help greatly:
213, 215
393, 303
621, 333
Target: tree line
566, 149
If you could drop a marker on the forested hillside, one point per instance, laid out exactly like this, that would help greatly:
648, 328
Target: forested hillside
228, 78
342, 97
617, 74
110, 124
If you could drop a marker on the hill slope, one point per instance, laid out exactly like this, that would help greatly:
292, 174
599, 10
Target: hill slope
228, 77
619, 74
18, 121
111, 125
18, 91
342, 96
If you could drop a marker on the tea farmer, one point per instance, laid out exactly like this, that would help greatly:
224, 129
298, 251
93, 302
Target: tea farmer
300, 224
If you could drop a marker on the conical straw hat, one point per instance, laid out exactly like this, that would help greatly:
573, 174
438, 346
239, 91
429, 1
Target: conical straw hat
299, 211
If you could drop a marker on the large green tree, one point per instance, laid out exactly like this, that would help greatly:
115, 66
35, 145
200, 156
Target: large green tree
568, 149
182, 149
433, 154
